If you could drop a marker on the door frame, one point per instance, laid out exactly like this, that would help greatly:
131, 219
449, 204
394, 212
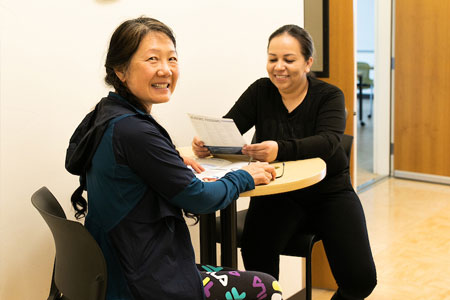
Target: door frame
382, 106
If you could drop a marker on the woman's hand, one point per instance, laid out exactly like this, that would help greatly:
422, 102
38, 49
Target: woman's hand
265, 151
262, 173
199, 149
193, 163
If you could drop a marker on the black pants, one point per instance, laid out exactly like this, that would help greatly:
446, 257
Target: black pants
337, 217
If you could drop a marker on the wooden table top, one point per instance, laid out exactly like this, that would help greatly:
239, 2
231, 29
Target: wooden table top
297, 174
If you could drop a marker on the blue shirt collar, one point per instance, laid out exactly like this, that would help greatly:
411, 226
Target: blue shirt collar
117, 96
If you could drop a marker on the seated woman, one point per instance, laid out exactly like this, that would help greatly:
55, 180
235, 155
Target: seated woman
297, 116
138, 184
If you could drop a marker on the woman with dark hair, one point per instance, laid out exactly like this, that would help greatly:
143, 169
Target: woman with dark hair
297, 116
138, 184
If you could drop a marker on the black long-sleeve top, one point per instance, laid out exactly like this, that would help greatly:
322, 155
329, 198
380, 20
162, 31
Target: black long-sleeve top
312, 129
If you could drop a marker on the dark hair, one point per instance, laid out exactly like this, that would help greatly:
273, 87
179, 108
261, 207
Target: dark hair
124, 43
300, 34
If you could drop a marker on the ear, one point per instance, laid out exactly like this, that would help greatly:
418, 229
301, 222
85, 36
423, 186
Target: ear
309, 63
120, 75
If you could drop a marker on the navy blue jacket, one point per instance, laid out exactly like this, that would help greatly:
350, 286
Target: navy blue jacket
137, 185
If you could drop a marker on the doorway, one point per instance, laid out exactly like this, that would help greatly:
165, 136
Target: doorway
365, 60
374, 138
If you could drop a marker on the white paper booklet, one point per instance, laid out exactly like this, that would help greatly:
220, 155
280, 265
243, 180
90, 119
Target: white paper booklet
215, 168
220, 135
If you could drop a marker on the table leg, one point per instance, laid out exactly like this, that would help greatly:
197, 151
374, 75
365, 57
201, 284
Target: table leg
229, 239
208, 239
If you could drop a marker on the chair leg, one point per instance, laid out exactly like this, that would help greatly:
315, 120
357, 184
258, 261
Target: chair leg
360, 96
371, 102
308, 277
308, 271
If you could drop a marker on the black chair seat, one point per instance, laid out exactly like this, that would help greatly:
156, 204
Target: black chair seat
240, 220
297, 246
300, 245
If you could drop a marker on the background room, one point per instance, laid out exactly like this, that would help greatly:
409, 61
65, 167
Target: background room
51, 74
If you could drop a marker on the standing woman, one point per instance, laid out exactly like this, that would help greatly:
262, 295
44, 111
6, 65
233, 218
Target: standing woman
297, 116
138, 184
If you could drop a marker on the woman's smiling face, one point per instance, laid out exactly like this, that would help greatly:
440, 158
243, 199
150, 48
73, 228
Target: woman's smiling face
153, 70
286, 65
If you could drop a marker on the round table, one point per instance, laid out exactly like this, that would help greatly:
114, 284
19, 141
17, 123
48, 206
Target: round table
296, 175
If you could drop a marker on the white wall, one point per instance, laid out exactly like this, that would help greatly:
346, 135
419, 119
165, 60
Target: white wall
365, 22
51, 69
365, 39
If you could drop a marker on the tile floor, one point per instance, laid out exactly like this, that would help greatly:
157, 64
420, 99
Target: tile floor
365, 148
409, 229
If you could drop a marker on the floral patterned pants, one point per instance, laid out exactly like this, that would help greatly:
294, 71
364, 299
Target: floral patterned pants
221, 283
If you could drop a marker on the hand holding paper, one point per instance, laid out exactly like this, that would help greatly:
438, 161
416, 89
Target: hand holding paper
265, 151
221, 136
199, 149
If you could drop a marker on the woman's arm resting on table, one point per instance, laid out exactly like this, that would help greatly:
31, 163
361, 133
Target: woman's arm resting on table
206, 197
193, 163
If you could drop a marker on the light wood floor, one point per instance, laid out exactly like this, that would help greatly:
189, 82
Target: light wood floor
409, 230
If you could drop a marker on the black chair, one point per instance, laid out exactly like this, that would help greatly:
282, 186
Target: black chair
301, 244
79, 272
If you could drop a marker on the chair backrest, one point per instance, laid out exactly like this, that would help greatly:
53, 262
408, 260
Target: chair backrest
364, 71
80, 268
